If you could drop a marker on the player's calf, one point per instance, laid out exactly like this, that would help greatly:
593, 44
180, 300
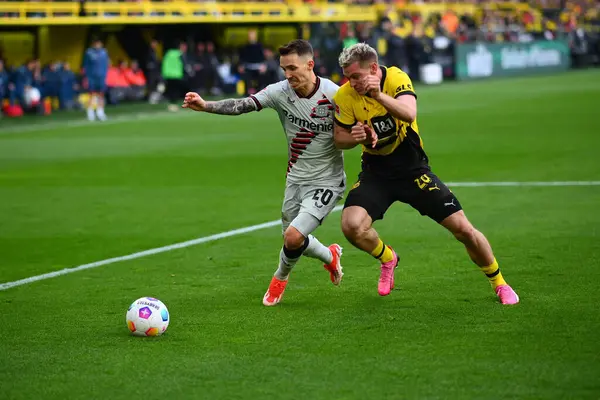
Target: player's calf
480, 251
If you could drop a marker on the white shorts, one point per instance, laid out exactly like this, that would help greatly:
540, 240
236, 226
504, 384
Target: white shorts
317, 201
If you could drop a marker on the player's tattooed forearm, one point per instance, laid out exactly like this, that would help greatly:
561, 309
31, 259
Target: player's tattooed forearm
231, 106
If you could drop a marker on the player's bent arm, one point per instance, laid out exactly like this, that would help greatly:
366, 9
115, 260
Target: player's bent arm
403, 107
343, 138
230, 106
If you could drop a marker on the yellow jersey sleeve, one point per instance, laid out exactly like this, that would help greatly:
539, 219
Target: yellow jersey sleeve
344, 116
398, 83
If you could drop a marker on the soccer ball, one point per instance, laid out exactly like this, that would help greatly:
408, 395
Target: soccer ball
147, 316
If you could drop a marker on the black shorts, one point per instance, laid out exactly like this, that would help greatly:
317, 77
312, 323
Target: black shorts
425, 192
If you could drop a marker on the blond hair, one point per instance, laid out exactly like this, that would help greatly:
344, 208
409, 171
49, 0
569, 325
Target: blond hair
360, 52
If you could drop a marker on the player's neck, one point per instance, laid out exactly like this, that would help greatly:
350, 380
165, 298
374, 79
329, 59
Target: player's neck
309, 88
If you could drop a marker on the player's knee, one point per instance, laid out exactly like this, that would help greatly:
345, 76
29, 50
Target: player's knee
353, 226
292, 238
465, 233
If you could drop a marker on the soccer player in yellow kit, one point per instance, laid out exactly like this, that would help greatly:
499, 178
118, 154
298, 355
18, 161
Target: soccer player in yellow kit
377, 108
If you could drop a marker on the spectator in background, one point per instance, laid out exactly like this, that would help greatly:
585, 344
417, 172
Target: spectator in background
450, 22
350, 39
51, 80
95, 64
136, 80
68, 88
5, 85
274, 72
579, 42
227, 78
23, 82
253, 64
116, 83
173, 73
212, 65
367, 34
188, 68
417, 49
38, 81
198, 76
330, 47
396, 50
152, 67
319, 68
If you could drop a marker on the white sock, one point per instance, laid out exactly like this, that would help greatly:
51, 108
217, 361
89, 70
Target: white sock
317, 250
100, 112
90, 114
285, 266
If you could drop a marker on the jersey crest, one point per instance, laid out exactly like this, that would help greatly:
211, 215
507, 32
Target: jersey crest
323, 108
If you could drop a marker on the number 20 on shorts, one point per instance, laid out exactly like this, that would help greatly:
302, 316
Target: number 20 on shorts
423, 182
325, 195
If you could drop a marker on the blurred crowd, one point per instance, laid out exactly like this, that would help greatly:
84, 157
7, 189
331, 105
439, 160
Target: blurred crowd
403, 38
187, 65
37, 88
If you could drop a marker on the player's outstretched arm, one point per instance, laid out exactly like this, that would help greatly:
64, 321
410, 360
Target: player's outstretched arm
195, 102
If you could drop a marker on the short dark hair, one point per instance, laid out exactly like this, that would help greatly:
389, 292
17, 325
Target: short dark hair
298, 46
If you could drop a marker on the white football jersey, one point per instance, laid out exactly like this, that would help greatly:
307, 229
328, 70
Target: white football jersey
308, 125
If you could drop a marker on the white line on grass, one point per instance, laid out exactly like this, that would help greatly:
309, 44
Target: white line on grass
248, 229
544, 184
187, 243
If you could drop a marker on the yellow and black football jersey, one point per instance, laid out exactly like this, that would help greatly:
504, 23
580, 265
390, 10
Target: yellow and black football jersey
399, 150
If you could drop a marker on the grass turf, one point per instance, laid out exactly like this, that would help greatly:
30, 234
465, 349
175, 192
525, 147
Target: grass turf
74, 193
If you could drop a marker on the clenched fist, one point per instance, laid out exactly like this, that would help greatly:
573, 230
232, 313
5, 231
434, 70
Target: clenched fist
363, 134
372, 86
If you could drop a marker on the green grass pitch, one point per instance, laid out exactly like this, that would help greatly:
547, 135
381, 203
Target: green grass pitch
72, 193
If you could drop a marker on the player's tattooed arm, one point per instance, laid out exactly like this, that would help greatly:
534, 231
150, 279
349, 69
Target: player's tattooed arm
230, 106
194, 101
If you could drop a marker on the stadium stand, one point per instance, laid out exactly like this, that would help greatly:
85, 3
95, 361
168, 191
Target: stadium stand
230, 45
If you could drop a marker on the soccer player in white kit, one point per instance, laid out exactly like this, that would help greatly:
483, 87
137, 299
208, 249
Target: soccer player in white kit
315, 178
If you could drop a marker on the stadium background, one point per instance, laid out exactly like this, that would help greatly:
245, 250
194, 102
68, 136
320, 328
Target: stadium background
50, 38
122, 199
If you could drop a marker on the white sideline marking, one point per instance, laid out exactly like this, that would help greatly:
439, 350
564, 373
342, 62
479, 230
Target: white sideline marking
546, 184
248, 229
180, 245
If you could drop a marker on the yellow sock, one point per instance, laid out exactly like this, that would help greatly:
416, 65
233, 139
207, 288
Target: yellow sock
382, 252
493, 273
